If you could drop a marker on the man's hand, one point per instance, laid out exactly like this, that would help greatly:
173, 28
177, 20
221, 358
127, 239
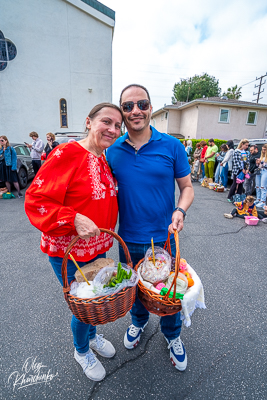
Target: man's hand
85, 227
177, 222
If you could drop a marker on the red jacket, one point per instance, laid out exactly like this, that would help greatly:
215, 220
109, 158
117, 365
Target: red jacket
204, 151
72, 181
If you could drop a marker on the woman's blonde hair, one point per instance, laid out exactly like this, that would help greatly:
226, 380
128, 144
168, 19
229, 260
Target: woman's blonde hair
264, 156
53, 137
243, 141
7, 141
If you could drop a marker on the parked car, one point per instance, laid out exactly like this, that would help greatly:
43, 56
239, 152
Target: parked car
24, 164
64, 137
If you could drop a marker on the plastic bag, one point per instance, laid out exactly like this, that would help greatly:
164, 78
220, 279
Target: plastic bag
8, 195
104, 276
181, 283
162, 268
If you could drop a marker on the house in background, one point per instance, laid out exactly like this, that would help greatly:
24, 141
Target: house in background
215, 117
55, 64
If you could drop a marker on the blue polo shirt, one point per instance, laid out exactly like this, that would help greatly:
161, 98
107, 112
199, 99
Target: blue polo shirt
146, 185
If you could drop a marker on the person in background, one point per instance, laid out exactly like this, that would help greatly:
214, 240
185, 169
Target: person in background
219, 157
36, 148
209, 158
249, 184
74, 194
196, 164
147, 164
261, 178
51, 143
8, 165
227, 163
240, 163
204, 147
189, 149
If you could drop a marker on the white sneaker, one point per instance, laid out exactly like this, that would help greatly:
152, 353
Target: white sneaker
91, 366
264, 220
230, 216
132, 336
102, 346
177, 353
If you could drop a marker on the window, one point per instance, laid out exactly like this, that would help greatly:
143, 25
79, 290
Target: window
224, 115
166, 115
63, 113
8, 51
252, 118
162, 116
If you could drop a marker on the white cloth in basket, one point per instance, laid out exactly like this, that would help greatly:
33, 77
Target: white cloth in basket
193, 298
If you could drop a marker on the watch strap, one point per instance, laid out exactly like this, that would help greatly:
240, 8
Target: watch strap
182, 211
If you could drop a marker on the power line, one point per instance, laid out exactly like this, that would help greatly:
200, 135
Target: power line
259, 86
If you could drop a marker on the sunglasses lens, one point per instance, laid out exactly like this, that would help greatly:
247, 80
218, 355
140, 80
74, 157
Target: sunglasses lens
128, 106
143, 105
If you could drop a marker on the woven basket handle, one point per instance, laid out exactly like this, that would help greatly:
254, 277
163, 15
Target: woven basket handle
177, 265
66, 287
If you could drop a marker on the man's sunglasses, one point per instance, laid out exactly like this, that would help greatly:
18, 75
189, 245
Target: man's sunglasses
128, 106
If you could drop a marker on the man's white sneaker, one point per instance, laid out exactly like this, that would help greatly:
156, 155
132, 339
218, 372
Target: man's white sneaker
91, 366
102, 346
230, 216
132, 336
177, 353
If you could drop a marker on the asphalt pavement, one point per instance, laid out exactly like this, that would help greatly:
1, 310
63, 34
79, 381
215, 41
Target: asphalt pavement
226, 343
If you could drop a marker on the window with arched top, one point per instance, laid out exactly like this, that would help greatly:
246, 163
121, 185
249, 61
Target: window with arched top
63, 113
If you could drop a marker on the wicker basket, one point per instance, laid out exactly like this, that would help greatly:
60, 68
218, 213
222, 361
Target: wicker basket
154, 302
103, 309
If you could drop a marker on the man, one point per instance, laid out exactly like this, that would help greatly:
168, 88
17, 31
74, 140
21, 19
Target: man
209, 158
249, 184
36, 148
146, 164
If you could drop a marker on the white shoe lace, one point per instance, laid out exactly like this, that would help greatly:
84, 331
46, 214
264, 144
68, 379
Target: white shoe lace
133, 330
90, 360
177, 345
99, 341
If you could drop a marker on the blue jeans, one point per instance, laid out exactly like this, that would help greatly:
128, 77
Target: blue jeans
218, 173
170, 325
261, 185
224, 175
203, 170
82, 332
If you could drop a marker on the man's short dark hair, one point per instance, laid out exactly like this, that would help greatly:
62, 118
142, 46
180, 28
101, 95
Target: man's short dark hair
135, 85
211, 140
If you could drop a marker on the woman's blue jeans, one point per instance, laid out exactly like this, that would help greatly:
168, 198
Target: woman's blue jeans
261, 185
82, 332
170, 325
224, 175
218, 173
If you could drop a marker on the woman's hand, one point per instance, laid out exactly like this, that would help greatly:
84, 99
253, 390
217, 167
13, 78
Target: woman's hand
85, 227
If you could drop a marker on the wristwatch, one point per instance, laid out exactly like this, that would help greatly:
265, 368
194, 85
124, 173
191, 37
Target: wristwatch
180, 209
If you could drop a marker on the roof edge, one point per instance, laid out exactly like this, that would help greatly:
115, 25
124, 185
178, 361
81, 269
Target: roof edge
96, 10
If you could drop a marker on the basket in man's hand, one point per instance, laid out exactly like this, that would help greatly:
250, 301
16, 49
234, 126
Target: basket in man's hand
103, 309
156, 303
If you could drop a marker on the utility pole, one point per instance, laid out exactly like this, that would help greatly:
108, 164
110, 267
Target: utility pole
259, 86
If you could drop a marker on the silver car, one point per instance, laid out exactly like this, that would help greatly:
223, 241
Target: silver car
24, 164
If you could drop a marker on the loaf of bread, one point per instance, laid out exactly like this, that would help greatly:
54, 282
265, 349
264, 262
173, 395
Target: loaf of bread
90, 270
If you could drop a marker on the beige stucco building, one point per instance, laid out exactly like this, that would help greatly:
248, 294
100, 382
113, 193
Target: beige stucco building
215, 117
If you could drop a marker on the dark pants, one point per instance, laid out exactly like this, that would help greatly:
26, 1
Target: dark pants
170, 325
36, 165
234, 213
232, 190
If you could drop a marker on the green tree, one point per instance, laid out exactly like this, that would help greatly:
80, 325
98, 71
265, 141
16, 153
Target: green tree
195, 88
233, 93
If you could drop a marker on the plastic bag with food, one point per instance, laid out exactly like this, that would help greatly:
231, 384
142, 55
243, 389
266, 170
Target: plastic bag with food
161, 270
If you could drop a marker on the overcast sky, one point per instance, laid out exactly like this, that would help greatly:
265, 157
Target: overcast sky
156, 43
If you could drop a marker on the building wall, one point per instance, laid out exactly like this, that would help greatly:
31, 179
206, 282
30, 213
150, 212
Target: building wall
174, 122
62, 51
189, 122
208, 125
160, 123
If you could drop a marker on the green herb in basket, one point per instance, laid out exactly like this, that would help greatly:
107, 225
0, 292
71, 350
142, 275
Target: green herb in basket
119, 277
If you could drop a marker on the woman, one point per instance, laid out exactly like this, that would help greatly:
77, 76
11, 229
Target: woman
195, 167
219, 157
240, 163
8, 165
74, 193
261, 179
51, 143
227, 163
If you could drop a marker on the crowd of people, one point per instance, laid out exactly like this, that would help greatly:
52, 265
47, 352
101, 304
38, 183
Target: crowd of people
247, 168
8, 158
